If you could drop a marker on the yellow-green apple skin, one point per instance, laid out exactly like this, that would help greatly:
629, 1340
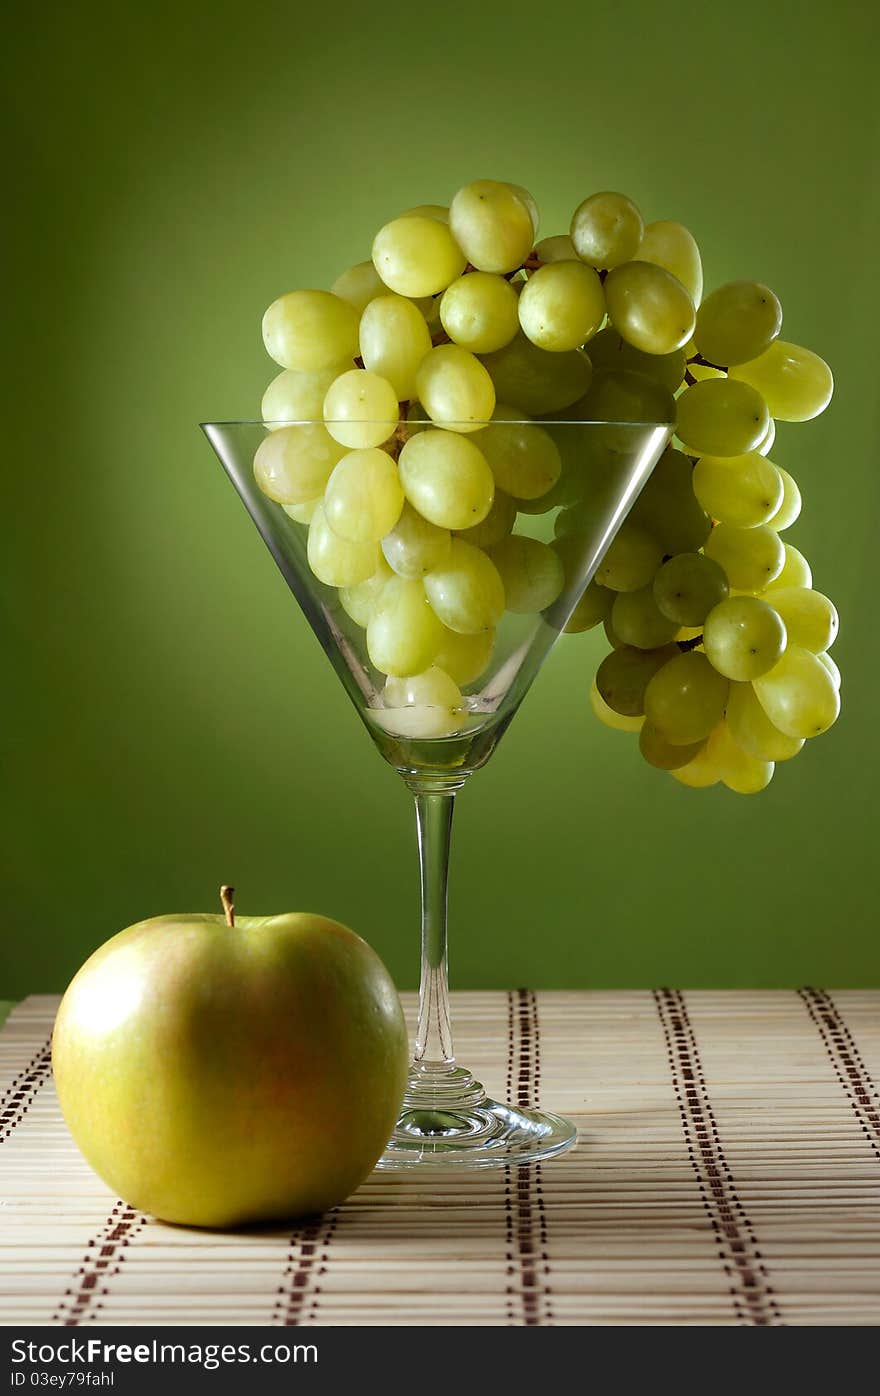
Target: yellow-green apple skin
215, 1075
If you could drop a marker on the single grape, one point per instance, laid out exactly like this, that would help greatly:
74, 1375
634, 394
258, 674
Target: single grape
700, 772
480, 312
686, 698
606, 229
741, 490
751, 557
446, 478
637, 620
752, 729
299, 397
532, 573
829, 664
536, 381
454, 388
364, 496
423, 705
622, 397
743, 637
688, 587
795, 571
466, 591
617, 721
799, 694
359, 285
555, 249
611, 634
335, 562
609, 353
739, 771
790, 508
497, 524
661, 753
624, 675
394, 340
667, 506
293, 464
465, 657
403, 633
669, 245
810, 618
415, 545
303, 513
721, 418
631, 560
737, 322
649, 307
561, 306
359, 600
594, 606
309, 330
492, 224
524, 459
525, 197
795, 383
360, 409
417, 256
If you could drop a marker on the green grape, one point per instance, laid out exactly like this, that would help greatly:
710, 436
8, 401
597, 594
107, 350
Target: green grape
739, 771
394, 340
359, 285
799, 694
829, 664
621, 398
417, 256
721, 418
700, 772
446, 478
661, 753
737, 322
525, 197
766, 446
624, 675
790, 508
743, 637
465, 657
492, 225
795, 383
480, 312
638, 621
466, 591
360, 409
423, 705
359, 600
535, 381
310, 330
668, 508
688, 587
555, 249
606, 229
609, 717
608, 353
611, 634
649, 307
741, 490
497, 524
631, 560
454, 388
336, 562
795, 571
810, 618
438, 211
593, 608
293, 464
686, 698
669, 245
751, 557
562, 305
303, 513
364, 496
299, 397
403, 632
415, 545
532, 573
752, 729
524, 459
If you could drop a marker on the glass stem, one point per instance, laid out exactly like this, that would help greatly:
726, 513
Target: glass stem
434, 820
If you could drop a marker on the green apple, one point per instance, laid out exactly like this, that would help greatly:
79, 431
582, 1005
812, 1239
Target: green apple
215, 1072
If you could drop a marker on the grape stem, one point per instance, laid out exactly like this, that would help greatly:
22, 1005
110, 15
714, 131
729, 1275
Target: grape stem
706, 363
227, 901
685, 645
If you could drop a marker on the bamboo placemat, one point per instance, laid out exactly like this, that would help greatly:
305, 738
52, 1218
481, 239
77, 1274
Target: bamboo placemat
727, 1172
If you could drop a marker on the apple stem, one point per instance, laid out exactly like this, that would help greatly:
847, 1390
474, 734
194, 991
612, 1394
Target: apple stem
227, 900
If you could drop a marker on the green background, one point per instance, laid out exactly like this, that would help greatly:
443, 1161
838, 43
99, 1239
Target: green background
170, 721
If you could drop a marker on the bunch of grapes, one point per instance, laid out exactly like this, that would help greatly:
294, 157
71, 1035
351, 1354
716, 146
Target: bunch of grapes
461, 318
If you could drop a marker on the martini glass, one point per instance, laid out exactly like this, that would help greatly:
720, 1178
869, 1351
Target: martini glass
447, 1118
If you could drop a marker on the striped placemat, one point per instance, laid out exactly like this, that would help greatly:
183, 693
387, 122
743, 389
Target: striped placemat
727, 1172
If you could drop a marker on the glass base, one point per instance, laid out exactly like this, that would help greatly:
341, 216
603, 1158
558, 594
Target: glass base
447, 1121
